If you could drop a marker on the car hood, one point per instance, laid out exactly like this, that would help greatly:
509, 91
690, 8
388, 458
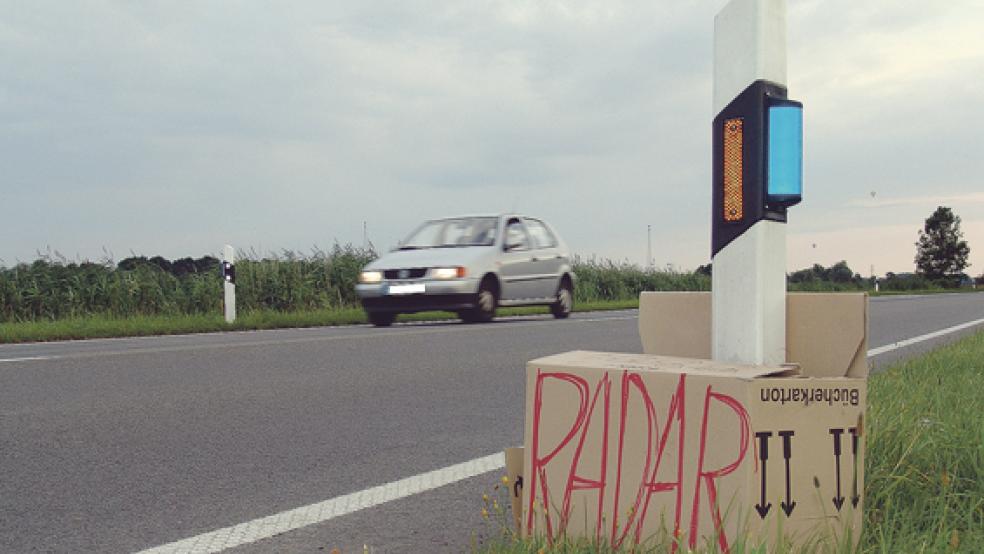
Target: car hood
430, 257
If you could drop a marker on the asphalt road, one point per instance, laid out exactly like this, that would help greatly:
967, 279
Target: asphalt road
126, 444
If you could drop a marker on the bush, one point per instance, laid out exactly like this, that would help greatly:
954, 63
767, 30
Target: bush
906, 281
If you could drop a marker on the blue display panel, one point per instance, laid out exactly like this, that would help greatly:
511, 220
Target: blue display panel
785, 166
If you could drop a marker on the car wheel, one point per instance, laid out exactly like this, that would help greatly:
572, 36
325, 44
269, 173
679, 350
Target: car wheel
381, 319
485, 304
564, 304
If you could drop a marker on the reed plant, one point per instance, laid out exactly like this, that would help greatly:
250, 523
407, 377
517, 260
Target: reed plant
605, 280
52, 289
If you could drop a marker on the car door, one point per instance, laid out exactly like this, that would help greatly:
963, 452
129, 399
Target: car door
547, 260
516, 262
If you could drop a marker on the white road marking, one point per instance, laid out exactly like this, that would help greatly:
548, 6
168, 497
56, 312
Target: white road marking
263, 528
26, 359
252, 531
921, 338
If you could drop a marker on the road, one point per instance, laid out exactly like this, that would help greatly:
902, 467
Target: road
126, 444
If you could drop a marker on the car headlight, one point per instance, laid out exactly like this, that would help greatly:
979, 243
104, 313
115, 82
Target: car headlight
370, 277
448, 272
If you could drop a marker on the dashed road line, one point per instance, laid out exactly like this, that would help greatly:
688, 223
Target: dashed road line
921, 338
252, 531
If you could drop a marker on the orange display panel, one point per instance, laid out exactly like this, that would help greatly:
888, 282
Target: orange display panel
732, 169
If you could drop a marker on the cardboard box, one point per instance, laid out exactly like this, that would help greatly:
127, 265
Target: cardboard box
514, 475
826, 333
632, 448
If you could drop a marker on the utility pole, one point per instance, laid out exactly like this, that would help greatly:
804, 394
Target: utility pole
757, 175
649, 246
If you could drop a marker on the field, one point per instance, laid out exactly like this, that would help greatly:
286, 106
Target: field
50, 289
924, 489
53, 298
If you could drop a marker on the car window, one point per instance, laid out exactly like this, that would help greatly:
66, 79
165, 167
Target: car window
450, 233
540, 234
455, 232
424, 237
516, 235
483, 231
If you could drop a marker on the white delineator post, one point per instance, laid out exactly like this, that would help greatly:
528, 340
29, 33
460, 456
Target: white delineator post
228, 257
749, 274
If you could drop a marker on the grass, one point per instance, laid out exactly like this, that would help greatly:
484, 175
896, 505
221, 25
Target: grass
924, 489
925, 461
924, 291
54, 299
108, 326
101, 326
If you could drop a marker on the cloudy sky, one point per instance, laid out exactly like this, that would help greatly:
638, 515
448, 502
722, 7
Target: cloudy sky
174, 128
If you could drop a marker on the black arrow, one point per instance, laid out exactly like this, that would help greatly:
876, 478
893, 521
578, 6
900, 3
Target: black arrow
838, 500
855, 497
763, 436
787, 451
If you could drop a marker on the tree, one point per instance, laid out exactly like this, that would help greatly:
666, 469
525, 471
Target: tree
840, 273
131, 263
161, 262
941, 252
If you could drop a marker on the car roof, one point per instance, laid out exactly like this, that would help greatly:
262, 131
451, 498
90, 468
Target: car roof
466, 216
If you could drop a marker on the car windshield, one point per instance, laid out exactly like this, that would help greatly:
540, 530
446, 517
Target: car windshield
451, 233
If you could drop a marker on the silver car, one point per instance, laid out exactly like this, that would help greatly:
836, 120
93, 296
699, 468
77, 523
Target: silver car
470, 265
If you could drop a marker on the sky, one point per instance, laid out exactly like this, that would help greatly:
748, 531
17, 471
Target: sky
163, 128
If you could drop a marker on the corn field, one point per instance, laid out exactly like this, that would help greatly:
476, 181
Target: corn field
53, 289
50, 289
608, 280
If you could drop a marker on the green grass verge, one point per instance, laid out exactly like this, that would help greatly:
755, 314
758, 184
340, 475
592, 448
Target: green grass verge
98, 326
138, 326
924, 465
922, 292
925, 460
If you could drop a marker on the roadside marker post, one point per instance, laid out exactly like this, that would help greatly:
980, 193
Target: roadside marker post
757, 175
229, 282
